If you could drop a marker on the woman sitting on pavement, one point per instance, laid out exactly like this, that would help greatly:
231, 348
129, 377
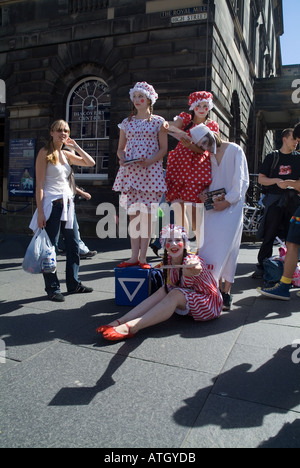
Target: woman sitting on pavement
190, 289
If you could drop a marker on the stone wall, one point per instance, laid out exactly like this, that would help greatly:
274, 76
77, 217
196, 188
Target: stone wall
44, 51
47, 46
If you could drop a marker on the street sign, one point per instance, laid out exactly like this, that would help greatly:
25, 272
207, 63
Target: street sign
21, 167
187, 18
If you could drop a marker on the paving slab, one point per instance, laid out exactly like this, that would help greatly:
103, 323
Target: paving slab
178, 342
261, 375
73, 397
232, 382
231, 423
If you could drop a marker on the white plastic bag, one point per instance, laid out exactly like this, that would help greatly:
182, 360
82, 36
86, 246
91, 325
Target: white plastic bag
40, 256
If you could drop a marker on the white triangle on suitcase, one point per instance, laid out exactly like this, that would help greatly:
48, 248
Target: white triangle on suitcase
139, 283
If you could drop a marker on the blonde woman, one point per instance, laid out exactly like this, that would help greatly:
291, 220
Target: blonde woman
55, 206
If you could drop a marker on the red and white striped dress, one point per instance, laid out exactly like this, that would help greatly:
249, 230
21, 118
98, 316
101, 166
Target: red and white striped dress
203, 298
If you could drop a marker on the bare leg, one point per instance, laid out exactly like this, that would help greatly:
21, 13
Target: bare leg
291, 260
142, 308
135, 242
140, 234
160, 312
227, 287
186, 221
180, 215
145, 227
198, 224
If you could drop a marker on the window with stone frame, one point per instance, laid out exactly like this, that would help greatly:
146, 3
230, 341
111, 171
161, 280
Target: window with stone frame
88, 114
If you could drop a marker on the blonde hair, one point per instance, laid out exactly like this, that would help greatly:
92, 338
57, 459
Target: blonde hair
52, 155
218, 139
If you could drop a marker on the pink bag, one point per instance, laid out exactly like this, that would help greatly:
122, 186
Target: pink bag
282, 254
296, 277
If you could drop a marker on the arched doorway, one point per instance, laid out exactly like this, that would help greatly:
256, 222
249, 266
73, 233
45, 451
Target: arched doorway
88, 114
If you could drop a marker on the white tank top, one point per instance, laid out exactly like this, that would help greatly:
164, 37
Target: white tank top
56, 187
56, 180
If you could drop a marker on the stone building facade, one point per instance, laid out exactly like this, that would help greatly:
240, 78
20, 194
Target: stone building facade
77, 60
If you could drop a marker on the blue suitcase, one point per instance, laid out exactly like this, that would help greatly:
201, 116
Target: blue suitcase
132, 285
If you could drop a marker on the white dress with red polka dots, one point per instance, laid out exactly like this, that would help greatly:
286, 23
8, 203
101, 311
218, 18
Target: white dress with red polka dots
141, 185
188, 173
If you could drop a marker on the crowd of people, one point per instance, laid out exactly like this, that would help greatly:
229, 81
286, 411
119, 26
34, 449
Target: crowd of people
203, 170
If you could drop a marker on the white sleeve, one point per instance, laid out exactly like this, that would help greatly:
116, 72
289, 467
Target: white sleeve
240, 181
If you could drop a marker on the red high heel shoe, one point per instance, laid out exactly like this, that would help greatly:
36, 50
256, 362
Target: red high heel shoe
112, 335
103, 328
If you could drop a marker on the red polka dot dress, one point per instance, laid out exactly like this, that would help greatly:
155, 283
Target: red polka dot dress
141, 187
188, 173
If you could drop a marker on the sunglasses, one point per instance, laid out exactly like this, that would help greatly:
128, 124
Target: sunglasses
62, 130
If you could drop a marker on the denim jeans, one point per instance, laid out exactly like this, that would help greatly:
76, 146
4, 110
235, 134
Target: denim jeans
54, 227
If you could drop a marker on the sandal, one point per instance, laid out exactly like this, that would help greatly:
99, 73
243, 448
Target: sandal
112, 335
